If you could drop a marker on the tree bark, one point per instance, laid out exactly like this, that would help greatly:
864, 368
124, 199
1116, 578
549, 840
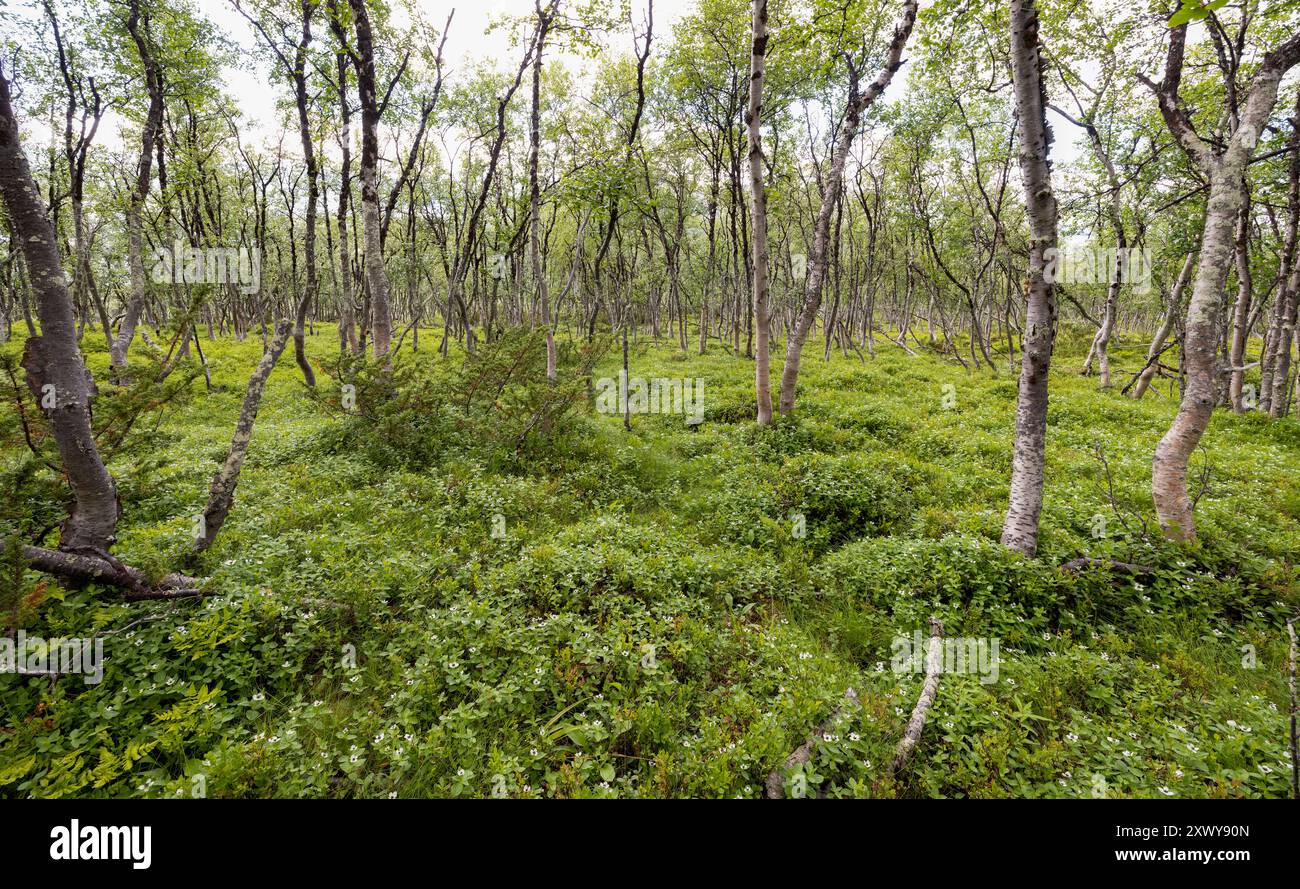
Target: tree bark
929, 691
544, 18
1020, 529
364, 61
758, 198
1278, 395
299, 75
1241, 309
53, 359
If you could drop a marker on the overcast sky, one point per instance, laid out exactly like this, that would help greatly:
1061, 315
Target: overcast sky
250, 80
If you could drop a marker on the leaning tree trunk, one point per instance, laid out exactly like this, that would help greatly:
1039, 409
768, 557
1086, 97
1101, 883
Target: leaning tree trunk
222, 495
1225, 171
857, 106
1166, 328
56, 373
753, 118
1020, 529
1173, 453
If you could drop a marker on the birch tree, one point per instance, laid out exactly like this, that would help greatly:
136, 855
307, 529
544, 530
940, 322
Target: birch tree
1224, 167
758, 200
1020, 529
858, 102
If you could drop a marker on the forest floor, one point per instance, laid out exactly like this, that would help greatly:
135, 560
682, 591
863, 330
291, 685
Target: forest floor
671, 611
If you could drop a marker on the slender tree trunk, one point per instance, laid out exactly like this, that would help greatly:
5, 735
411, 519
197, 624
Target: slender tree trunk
364, 61
1290, 295
1241, 309
347, 311
544, 19
857, 105
144, 171
299, 75
221, 498
753, 120
1020, 530
1166, 328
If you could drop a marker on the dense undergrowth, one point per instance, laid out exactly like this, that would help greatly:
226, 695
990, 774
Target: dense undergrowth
409, 605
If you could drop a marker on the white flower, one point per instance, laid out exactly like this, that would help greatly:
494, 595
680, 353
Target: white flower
1166, 791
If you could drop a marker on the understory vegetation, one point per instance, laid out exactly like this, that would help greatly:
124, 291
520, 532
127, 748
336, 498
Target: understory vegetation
415, 598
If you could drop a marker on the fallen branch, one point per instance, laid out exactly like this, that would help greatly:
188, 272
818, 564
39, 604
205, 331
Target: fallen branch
933, 669
1077, 565
775, 785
